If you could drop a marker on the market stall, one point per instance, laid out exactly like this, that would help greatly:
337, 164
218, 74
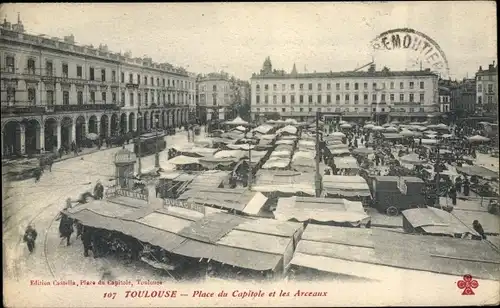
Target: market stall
328, 211
434, 221
353, 188
365, 253
237, 201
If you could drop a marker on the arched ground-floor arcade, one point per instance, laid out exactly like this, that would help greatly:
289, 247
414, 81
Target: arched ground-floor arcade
38, 134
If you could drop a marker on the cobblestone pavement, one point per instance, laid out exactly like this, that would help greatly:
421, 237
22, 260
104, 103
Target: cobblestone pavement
38, 203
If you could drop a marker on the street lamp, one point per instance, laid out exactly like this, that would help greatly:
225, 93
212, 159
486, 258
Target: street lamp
139, 124
157, 154
317, 178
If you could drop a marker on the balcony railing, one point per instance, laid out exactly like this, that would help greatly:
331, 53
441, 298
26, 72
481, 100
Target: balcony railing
83, 107
21, 107
132, 85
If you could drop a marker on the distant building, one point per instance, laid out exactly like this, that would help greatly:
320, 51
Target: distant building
463, 97
217, 94
444, 99
487, 90
383, 95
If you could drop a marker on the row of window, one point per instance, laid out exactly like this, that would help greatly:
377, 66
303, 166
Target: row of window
214, 88
347, 97
480, 88
488, 97
94, 73
11, 94
356, 109
347, 86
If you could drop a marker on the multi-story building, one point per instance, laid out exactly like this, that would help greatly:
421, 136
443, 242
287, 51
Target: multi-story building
487, 90
374, 94
216, 95
463, 97
444, 99
192, 86
54, 92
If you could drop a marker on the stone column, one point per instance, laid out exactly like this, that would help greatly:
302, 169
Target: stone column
73, 132
40, 142
22, 139
125, 128
109, 126
98, 124
86, 127
58, 133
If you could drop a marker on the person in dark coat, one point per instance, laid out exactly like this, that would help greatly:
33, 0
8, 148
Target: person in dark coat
79, 228
37, 173
334, 169
478, 228
98, 191
65, 228
87, 235
453, 195
466, 187
458, 184
61, 150
29, 237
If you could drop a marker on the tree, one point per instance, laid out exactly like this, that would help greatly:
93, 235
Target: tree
273, 116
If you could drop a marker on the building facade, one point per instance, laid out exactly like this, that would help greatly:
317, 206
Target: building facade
379, 95
463, 97
219, 94
487, 90
54, 92
444, 99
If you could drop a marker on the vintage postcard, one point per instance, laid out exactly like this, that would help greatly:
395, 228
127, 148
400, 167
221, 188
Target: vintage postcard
250, 154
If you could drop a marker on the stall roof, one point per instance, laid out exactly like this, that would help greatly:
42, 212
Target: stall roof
256, 260
347, 162
284, 141
271, 226
346, 186
320, 209
288, 129
142, 232
232, 199
183, 160
276, 162
387, 248
213, 236
230, 154
392, 136
209, 179
436, 221
171, 175
477, 171
284, 181
263, 129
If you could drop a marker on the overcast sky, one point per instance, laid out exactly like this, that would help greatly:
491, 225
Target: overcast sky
237, 37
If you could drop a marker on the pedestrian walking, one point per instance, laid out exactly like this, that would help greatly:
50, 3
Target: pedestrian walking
87, 235
453, 195
65, 228
466, 187
37, 173
29, 237
479, 229
458, 184
98, 190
